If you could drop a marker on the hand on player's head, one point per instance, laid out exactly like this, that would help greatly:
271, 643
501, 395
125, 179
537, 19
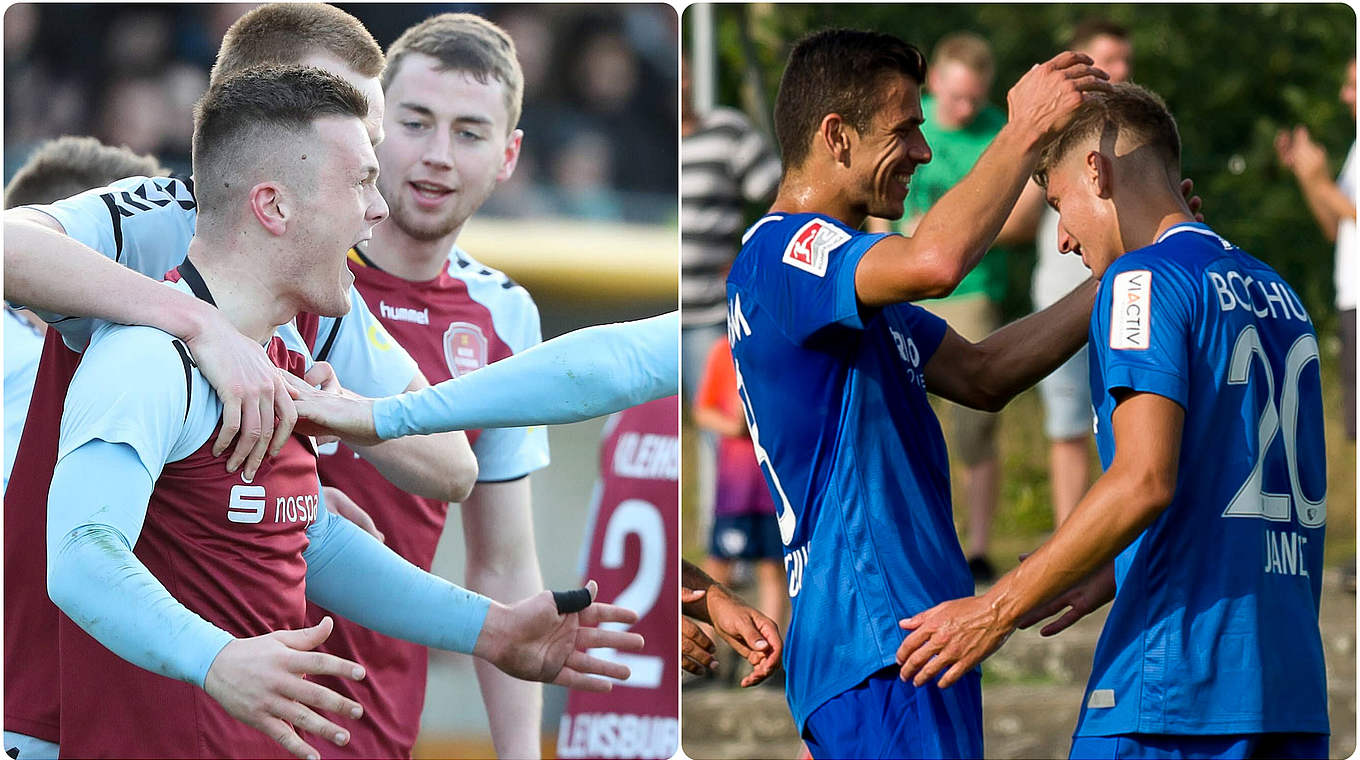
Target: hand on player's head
262, 682
1047, 96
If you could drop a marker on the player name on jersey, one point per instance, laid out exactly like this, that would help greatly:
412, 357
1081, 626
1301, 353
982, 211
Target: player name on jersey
647, 456
1269, 298
617, 735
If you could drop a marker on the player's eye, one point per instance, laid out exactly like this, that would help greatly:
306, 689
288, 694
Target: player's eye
413, 125
467, 134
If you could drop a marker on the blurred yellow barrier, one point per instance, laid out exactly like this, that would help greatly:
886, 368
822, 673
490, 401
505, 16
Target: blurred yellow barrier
569, 257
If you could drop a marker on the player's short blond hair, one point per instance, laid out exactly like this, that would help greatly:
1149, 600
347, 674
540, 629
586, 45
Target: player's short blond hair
68, 165
968, 49
286, 33
468, 43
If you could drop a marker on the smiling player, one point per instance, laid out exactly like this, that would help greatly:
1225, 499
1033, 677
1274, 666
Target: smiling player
833, 367
1204, 372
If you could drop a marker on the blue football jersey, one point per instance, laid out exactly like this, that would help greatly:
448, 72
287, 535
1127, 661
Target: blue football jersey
1214, 628
835, 398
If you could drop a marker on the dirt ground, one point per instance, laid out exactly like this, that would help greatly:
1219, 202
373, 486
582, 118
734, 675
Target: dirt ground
1031, 692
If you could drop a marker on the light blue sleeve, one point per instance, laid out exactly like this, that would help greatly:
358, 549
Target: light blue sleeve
573, 377
95, 510
352, 574
506, 454
143, 223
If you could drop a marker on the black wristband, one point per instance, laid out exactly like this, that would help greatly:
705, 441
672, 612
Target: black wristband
571, 601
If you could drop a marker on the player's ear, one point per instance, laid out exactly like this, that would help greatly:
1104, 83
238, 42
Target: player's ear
269, 208
511, 158
834, 135
1099, 171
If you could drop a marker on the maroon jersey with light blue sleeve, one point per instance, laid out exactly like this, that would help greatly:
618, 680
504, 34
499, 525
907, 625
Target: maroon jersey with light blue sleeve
229, 549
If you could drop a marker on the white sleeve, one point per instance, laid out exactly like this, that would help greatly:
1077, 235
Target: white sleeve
367, 360
138, 386
143, 223
505, 454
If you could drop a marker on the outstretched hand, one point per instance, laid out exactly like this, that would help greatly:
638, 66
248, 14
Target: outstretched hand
531, 640
262, 682
332, 412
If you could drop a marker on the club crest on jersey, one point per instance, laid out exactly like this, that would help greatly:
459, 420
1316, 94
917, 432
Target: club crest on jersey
464, 348
1131, 311
811, 248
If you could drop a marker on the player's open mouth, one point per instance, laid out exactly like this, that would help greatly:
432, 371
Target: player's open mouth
429, 193
902, 178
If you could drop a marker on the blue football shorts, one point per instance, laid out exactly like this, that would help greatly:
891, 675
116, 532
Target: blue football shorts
885, 717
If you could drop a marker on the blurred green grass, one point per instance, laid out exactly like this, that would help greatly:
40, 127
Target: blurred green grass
1025, 515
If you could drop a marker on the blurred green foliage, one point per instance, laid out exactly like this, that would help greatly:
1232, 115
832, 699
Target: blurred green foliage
1232, 75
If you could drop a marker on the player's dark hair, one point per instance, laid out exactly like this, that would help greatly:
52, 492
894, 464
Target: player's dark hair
1128, 110
281, 33
68, 165
242, 115
1092, 28
468, 43
837, 71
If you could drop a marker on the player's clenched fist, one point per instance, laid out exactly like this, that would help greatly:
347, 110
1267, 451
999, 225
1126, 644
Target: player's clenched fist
260, 682
1044, 99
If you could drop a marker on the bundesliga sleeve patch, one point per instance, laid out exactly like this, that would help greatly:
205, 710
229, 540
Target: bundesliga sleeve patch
1131, 311
811, 248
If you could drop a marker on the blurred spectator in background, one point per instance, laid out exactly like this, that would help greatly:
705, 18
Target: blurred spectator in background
1333, 205
142, 67
726, 163
57, 169
1066, 394
959, 125
744, 524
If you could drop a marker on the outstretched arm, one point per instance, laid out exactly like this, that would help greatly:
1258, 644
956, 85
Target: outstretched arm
988, 374
47, 270
582, 374
951, 638
954, 234
351, 574
1308, 162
